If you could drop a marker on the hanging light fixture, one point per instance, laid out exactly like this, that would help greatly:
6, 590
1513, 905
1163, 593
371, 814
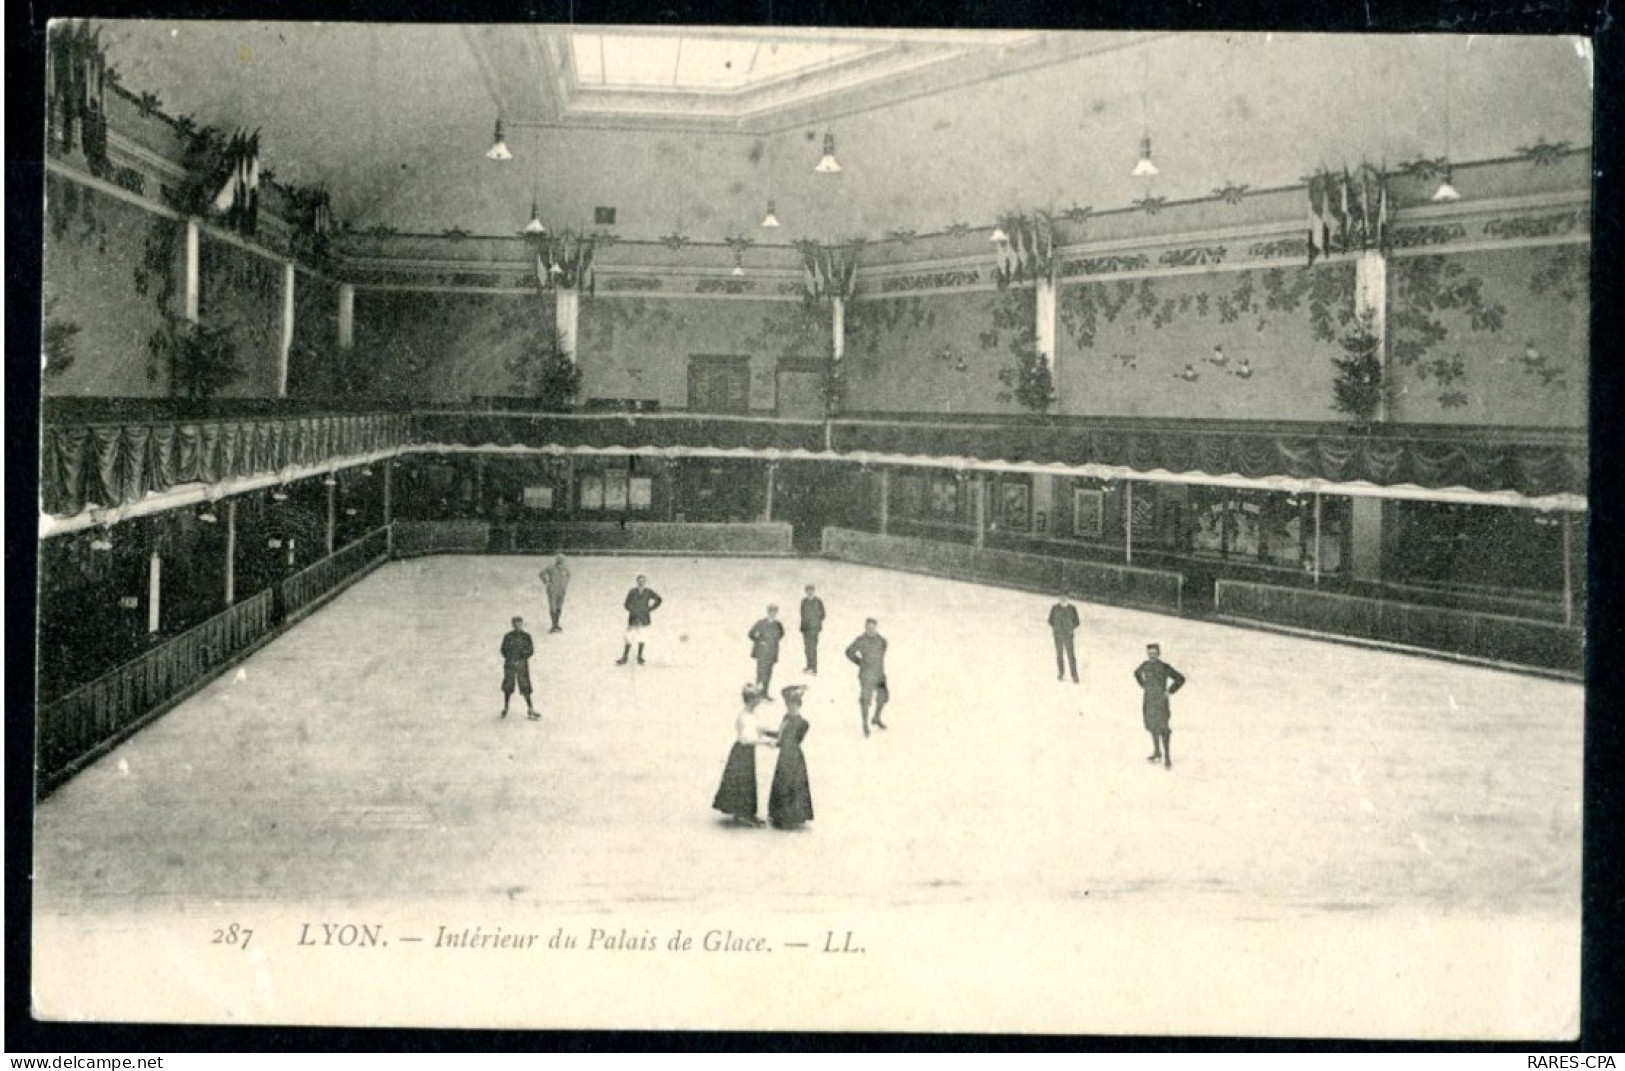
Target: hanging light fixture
998, 236
1446, 191
499, 147
535, 227
828, 165
739, 261
1145, 168
771, 219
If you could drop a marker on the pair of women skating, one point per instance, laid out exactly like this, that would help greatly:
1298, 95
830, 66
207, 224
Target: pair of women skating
789, 802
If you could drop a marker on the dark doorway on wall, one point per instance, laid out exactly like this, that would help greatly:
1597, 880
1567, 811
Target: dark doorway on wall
813, 495
718, 384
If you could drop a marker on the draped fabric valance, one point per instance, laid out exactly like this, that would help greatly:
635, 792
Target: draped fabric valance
1535, 469
110, 465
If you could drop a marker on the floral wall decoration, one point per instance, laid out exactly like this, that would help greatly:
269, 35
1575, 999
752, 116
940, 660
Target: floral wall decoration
1425, 288
1328, 294
1496, 336
1357, 391
1546, 154
1248, 344
58, 341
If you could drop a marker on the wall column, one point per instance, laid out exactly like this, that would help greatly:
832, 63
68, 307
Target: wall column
389, 517
1128, 522
981, 511
1044, 502
1365, 536
155, 569
1044, 300
346, 315
332, 485
1568, 571
566, 315
1371, 299
885, 499
231, 551
767, 507
286, 342
1317, 538
189, 283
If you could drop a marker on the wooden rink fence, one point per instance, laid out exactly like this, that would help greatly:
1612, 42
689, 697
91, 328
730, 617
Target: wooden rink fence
85, 724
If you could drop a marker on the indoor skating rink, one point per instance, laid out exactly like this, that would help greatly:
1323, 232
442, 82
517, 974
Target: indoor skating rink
1350, 842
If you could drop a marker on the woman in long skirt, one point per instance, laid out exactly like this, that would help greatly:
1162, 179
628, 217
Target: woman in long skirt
736, 795
789, 803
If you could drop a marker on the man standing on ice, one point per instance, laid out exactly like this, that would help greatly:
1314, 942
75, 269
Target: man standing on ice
641, 603
868, 653
1158, 680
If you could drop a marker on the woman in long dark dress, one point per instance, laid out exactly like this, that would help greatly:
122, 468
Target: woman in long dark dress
736, 795
789, 803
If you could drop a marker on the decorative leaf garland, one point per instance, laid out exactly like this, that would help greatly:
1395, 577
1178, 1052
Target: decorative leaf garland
1230, 193
1545, 154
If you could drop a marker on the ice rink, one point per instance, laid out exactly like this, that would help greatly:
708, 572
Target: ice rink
1350, 842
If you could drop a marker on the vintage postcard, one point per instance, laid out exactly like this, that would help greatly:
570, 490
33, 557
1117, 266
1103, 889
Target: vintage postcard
813, 529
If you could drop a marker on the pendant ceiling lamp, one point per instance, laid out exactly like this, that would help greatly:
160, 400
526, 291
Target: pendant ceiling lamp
499, 147
770, 220
998, 234
828, 165
535, 227
1446, 191
1144, 168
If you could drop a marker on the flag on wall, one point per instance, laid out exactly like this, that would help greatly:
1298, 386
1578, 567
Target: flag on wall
239, 196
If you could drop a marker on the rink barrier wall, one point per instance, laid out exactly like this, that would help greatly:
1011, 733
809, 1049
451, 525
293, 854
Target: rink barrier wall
89, 721
734, 540
1101, 582
1484, 637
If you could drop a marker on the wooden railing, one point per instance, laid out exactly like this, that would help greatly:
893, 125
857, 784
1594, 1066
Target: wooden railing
76, 729
413, 538
1116, 585
308, 586
1490, 637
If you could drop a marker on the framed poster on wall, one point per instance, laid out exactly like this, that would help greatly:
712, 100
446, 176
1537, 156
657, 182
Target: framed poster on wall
615, 489
1016, 499
539, 497
592, 490
640, 492
1088, 512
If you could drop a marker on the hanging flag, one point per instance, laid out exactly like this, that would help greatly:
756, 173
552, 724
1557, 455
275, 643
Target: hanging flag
1317, 196
1345, 236
238, 199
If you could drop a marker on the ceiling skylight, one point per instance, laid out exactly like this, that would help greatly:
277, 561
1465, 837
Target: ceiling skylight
698, 63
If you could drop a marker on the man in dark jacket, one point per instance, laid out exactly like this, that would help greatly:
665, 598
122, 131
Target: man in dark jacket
764, 647
868, 653
1063, 622
812, 623
516, 651
1158, 680
641, 603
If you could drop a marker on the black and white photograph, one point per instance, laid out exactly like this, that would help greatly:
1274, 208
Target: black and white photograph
569, 527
